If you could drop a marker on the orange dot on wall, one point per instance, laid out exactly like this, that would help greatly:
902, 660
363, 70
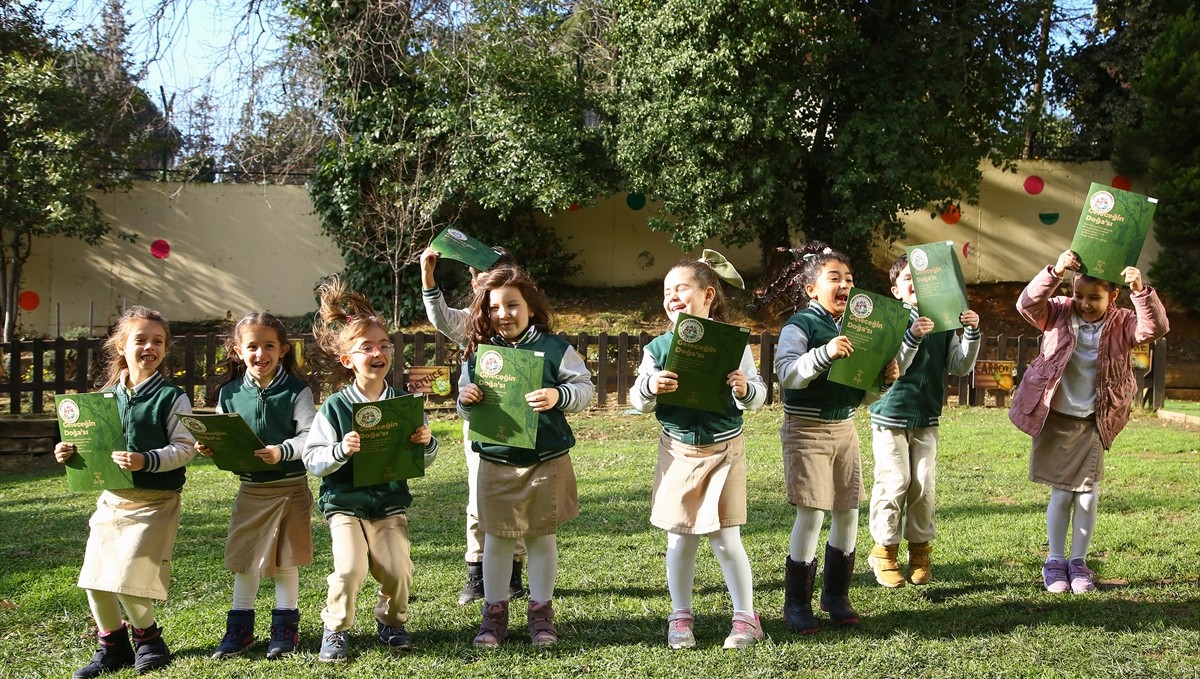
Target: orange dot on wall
1122, 182
28, 300
951, 215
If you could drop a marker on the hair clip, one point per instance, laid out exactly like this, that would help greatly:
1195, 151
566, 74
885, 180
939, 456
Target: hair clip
827, 251
809, 256
722, 267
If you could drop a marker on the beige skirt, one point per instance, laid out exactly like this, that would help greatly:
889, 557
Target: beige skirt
270, 527
699, 489
821, 464
518, 502
1067, 454
130, 542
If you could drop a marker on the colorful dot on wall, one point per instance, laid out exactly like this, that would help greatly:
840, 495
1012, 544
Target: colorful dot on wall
1048, 218
966, 249
951, 214
1122, 182
574, 207
1034, 185
160, 249
636, 201
29, 300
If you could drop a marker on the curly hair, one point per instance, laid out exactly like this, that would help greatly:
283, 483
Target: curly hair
115, 343
344, 315
479, 322
235, 366
811, 259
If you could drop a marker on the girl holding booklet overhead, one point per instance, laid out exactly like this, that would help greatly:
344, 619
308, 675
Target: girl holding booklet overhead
522, 492
820, 445
127, 563
270, 527
368, 526
700, 479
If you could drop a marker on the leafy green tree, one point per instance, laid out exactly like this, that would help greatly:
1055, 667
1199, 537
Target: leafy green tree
752, 120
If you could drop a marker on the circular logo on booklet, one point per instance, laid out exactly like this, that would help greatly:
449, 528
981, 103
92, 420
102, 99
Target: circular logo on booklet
861, 306
68, 411
457, 235
368, 417
491, 363
1102, 202
919, 260
691, 330
193, 425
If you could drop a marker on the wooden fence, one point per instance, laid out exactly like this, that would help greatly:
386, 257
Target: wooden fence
32, 371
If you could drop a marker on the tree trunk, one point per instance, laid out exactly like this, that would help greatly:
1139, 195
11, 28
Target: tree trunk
1033, 123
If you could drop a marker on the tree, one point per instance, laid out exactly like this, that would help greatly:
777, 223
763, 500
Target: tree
751, 120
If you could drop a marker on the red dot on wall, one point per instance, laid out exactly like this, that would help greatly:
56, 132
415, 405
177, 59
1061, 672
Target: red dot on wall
1122, 182
951, 214
29, 300
966, 249
573, 207
1034, 185
160, 249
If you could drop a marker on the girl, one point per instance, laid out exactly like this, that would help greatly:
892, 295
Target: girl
700, 480
1075, 398
453, 324
127, 562
270, 528
524, 492
820, 445
368, 525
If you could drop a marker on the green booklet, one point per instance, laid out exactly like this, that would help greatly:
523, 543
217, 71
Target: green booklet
875, 325
703, 352
503, 416
229, 437
1112, 229
384, 427
938, 282
454, 244
93, 423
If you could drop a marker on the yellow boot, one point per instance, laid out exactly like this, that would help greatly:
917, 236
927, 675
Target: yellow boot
883, 563
919, 570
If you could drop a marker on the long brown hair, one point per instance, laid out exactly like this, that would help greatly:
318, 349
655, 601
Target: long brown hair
235, 367
344, 316
479, 328
120, 334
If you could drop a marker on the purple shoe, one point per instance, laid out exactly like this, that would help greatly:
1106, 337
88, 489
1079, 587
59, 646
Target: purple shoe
1054, 576
1081, 577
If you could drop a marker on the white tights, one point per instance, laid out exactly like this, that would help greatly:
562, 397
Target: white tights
541, 557
287, 589
726, 545
1058, 515
806, 532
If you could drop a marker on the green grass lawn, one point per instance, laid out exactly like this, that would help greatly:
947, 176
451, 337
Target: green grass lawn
985, 614
1186, 407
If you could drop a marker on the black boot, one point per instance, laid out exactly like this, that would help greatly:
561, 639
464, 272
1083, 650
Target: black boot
114, 654
835, 590
149, 650
798, 593
239, 634
285, 633
473, 589
516, 588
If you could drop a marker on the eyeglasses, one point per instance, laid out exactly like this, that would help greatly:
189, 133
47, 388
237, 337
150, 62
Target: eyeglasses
384, 349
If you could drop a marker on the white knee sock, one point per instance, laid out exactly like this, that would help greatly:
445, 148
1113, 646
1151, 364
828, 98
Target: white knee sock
1083, 523
542, 555
1058, 515
843, 530
106, 610
287, 588
735, 565
497, 567
245, 591
805, 534
681, 569
138, 609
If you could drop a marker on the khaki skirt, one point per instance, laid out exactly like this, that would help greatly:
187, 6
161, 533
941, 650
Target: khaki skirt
699, 489
518, 502
1067, 454
821, 464
270, 527
129, 545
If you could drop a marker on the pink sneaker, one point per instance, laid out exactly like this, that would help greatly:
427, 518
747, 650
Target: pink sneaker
1054, 576
679, 630
1081, 577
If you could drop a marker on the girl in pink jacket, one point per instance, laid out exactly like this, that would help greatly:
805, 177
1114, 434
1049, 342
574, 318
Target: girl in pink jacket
1075, 398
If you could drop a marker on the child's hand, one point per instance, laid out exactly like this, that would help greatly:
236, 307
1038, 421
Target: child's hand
891, 372
663, 382
63, 452
921, 326
969, 319
542, 399
423, 435
470, 394
429, 260
204, 450
1133, 278
269, 454
737, 380
839, 347
129, 460
351, 443
1067, 260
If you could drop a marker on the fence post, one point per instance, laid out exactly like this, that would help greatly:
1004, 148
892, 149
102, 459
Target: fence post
189, 370
39, 366
210, 369
1001, 354
83, 364
1158, 371
766, 360
14, 376
60, 365
602, 370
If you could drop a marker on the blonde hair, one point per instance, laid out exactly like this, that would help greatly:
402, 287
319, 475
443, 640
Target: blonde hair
344, 315
115, 343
